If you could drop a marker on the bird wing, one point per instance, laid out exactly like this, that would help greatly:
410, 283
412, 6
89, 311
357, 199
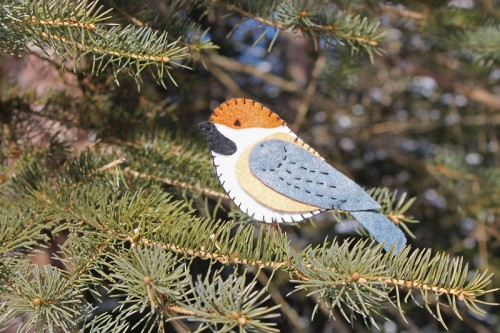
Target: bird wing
305, 177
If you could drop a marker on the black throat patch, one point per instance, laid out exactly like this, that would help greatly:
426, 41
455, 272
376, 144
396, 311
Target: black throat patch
216, 141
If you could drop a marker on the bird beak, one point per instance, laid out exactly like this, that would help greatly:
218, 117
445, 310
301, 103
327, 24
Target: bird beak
204, 126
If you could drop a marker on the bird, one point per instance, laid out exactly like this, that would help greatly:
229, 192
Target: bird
273, 176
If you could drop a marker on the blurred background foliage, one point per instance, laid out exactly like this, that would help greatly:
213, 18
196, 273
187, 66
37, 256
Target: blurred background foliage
400, 94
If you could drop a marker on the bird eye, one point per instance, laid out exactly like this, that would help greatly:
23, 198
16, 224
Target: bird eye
237, 123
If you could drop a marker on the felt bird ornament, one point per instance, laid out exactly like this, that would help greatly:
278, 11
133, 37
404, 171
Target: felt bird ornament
273, 176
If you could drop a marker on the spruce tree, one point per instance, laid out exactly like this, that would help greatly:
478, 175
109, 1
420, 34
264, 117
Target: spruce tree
112, 219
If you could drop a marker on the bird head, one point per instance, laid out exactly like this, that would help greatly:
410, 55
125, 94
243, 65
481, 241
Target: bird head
233, 118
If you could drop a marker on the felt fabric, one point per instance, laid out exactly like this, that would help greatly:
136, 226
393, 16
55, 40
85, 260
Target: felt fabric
226, 166
381, 228
245, 113
273, 176
300, 175
216, 141
260, 191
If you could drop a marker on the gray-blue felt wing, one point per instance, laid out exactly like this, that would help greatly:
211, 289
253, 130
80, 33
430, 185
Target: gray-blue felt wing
302, 176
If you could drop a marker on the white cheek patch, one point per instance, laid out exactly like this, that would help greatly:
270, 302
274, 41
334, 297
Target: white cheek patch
225, 168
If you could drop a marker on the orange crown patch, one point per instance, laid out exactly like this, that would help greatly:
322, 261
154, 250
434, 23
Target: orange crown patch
245, 113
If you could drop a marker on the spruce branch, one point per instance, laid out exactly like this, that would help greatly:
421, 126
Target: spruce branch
36, 293
147, 277
482, 45
176, 17
228, 304
74, 30
311, 18
21, 229
229, 259
79, 257
428, 274
376, 273
354, 277
149, 281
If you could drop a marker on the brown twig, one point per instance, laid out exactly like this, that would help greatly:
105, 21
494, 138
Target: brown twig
310, 91
178, 326
482, 239
227, 80
101, 170
289, 312
474, 93
235, 66
179, 310
109, 165
426, 126
129, 17
404, 12
150, 295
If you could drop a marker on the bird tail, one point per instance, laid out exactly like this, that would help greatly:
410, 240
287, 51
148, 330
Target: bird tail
381, 228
